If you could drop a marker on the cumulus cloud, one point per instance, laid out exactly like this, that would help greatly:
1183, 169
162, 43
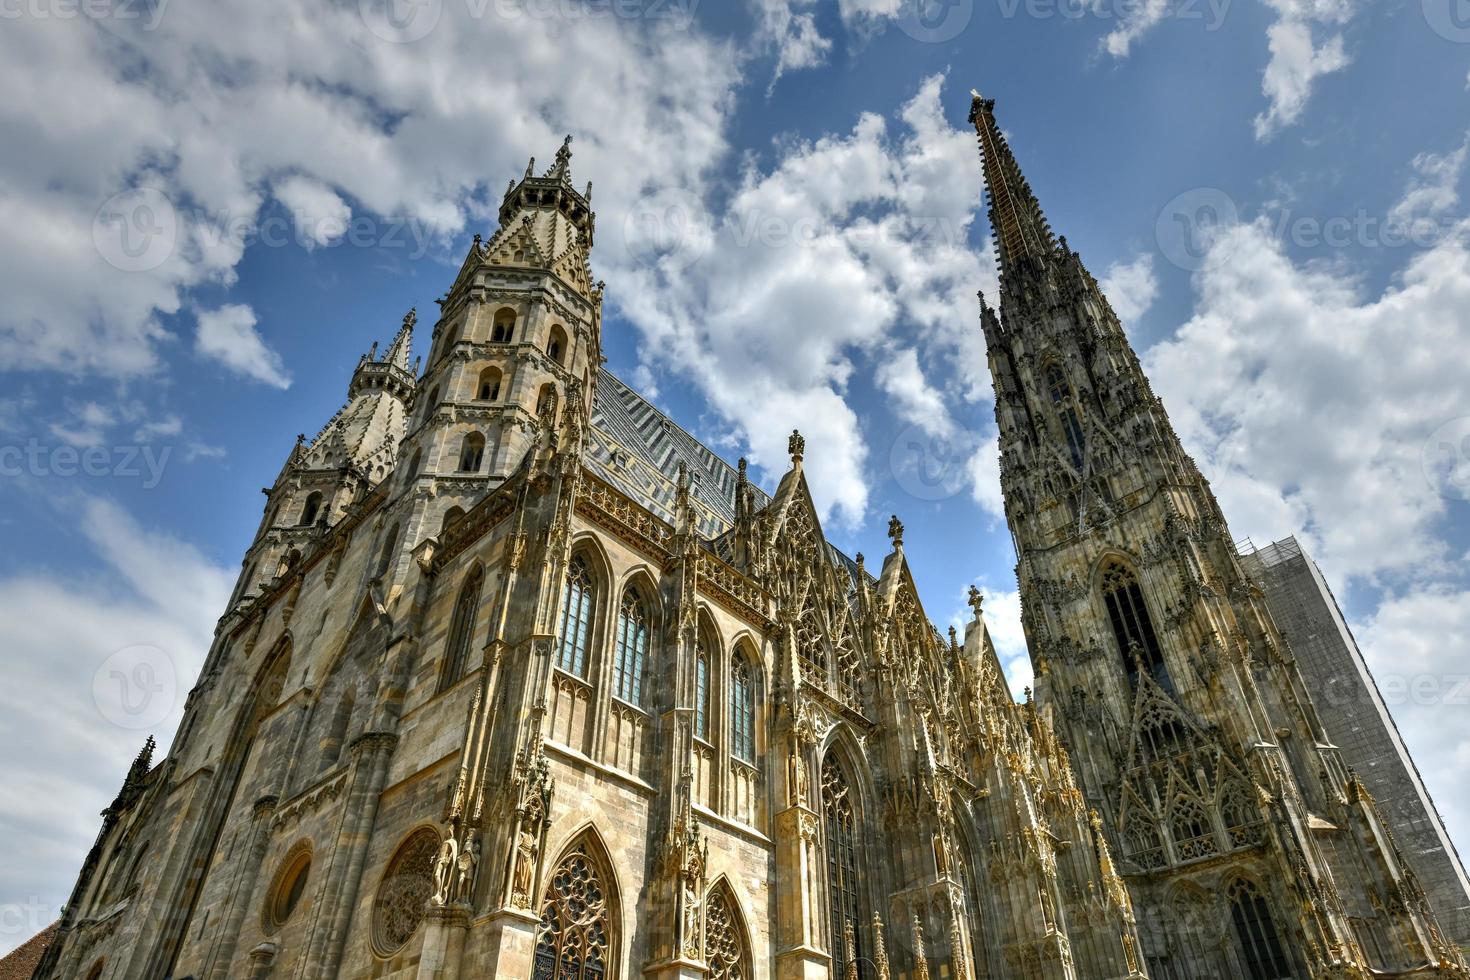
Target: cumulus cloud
228, 335
811, 271
1433, 191
1299, 58
985, 477
148, 194
1131, 287
319, 214
97, 665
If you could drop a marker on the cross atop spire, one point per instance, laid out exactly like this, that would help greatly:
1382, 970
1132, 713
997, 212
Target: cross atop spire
1015, 216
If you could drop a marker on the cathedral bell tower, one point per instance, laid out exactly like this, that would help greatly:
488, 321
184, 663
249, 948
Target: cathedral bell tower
323, 477
1248, 847
518, 331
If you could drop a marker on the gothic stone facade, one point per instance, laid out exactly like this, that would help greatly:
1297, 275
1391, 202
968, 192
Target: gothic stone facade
520, 680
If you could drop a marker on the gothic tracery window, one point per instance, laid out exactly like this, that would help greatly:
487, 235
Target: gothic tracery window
1133, 628
462, 629
840, 820
403, 894
1260, 945
1065, 405
742, 710
489, 389
701, 692
472, 453
576, 618
632, 649
725, 949
575, 937
1194, 837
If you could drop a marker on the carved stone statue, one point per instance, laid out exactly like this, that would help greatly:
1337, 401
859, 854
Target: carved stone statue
444, 869
525, 868
797, 779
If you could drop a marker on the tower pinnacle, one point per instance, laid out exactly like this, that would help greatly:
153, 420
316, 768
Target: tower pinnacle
1015, 216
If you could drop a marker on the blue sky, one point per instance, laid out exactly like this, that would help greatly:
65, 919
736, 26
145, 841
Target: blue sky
789, 226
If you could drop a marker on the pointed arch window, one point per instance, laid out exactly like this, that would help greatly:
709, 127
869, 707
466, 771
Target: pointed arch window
742, 710
312, 509
576, 618
556, 346
575, 937
1064, 403
726, 950
632, 652
489, 389
1260, 945
462, 628
504, 326
1133, 628
1194, 836
701, 691
840, 820
472, 453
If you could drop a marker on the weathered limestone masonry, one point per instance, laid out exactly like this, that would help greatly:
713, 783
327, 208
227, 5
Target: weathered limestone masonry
1249, 848
520, 680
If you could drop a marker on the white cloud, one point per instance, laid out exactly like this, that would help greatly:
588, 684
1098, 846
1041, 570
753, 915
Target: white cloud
320, 216
228, 335
87, 424
151, 591
850, 247
1298, 59
1433, 191
1131, 287
985, 477
308, 104
1136, 21
915, 401
790, 27
1003, 620
1415, 645
1280, 386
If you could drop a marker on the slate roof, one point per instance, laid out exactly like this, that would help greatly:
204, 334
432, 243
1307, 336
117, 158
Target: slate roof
638, 449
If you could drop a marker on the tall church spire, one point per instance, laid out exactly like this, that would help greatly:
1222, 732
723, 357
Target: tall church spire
1015, 216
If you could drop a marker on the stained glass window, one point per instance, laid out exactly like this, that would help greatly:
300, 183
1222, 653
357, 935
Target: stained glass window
632, 649
1132, 626
574, 939
742, 710
576, 618
725, 948
1259, 944
403, 894
842, 860
701, 692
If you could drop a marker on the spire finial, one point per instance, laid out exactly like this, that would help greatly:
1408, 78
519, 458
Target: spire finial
563, 162
977, 601
895, 531
398, 353
796, 446
1015, 215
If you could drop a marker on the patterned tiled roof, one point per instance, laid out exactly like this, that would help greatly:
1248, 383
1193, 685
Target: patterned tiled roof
638, 449
22, 961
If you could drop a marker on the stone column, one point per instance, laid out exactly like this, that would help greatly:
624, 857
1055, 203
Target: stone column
444, 934
260, 835
799, 954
